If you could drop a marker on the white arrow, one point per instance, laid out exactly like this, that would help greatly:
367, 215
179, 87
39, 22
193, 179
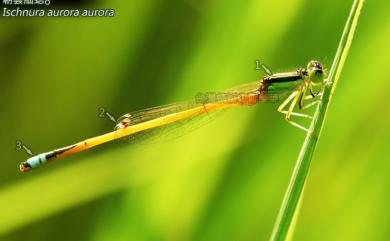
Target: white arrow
111, 117
27, 150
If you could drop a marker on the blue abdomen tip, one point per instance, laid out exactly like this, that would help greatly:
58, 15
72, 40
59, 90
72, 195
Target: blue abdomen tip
37, 160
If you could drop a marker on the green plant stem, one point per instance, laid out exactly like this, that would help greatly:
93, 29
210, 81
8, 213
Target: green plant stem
298, 178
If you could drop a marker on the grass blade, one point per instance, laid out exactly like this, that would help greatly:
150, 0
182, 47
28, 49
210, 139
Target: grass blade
288, 209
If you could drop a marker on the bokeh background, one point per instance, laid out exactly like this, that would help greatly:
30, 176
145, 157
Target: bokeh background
224, 181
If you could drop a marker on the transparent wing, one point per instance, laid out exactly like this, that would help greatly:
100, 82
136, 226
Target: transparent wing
247, 88
200, 99
181, 127
272, 96
173, 130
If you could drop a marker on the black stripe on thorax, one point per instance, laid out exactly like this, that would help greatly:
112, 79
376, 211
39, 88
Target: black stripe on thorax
286, 77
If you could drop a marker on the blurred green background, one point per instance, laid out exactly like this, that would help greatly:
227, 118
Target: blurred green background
224, 181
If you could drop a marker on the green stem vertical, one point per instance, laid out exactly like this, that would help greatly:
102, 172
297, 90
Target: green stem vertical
298, 178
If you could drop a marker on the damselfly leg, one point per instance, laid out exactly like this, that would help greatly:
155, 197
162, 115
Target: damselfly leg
299, 97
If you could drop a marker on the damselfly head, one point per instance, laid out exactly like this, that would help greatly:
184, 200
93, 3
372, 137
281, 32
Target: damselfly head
315, 71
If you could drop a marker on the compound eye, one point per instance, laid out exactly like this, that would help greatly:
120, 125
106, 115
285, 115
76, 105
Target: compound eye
315, 66
318, 72
310, 65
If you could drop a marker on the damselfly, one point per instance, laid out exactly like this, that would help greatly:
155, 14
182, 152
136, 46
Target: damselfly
296, 87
